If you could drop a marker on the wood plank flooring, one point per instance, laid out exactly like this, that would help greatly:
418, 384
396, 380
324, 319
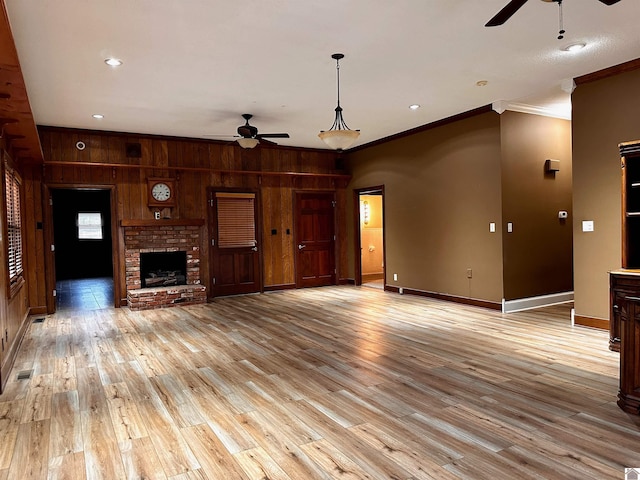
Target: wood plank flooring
324, 383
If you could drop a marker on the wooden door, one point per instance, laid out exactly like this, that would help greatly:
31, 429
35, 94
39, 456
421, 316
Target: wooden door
315, 239
235, 256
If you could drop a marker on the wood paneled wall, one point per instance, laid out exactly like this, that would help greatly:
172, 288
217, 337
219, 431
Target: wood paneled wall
277, 172
13, 300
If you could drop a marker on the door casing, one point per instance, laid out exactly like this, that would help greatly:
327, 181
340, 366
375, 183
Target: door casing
117, 241
378, 189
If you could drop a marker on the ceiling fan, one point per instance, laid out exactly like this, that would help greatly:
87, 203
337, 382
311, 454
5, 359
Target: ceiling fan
514, 5
248, 136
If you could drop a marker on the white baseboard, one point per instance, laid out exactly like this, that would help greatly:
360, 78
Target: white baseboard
510, 306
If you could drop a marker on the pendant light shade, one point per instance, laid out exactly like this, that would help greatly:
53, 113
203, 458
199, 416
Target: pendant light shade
339, 136
339, 139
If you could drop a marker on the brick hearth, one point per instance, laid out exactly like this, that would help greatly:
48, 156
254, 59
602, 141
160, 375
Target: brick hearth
162, 238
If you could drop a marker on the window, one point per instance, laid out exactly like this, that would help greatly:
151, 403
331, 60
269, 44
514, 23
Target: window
236, 223
14, 224
89, 225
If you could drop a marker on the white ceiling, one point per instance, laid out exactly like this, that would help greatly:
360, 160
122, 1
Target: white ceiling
192, 67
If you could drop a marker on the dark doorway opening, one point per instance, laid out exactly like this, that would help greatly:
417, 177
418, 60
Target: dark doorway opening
83, 249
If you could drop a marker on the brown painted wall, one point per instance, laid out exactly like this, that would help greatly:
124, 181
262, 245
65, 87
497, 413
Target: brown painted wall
442, 188
538, 253
605, 114
196, 165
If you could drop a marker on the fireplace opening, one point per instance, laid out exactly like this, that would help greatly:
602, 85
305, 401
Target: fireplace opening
162, 269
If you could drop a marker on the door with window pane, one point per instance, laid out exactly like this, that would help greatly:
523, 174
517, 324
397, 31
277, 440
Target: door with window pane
235, 253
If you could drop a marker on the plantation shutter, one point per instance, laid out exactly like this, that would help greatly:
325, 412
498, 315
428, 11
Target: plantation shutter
14, 223
236, 220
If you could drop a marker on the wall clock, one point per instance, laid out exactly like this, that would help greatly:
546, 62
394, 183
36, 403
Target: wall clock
161, 192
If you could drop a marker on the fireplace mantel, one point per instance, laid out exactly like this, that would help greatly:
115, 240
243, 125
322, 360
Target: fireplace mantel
163, 222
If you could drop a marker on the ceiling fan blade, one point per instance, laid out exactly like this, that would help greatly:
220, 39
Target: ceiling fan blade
273, 135
506, 13
609, 2
220, 136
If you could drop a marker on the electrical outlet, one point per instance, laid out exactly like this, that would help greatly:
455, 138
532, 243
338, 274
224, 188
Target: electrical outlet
469, 273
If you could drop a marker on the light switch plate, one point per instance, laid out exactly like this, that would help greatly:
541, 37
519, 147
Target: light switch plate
587, 225
492, 227
509, 227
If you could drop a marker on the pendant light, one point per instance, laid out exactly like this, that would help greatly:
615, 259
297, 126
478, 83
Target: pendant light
339, 136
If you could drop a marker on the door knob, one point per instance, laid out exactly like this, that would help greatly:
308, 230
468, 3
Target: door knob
255, 249
301, 246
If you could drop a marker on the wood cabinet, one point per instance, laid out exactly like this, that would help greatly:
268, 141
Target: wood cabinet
630, 166
624, 320
625, 295
622, 285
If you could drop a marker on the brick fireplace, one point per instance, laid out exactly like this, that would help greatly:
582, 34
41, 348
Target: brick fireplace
162, 236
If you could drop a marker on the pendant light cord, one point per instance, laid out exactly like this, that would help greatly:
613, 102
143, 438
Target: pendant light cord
560, 21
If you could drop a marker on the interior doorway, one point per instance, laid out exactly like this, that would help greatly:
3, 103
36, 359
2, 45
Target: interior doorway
370, 251
82, 253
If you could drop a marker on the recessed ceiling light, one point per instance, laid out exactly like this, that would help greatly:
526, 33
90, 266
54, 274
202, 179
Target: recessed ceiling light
113, 62
97, 115
574, 47
415, 106
481, 83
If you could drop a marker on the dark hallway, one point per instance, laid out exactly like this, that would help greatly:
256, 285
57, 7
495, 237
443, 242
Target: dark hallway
83, 248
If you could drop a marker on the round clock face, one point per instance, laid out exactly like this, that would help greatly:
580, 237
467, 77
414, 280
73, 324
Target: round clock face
161, 192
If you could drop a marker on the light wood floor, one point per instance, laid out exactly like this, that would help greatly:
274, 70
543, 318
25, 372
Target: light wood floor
337, 382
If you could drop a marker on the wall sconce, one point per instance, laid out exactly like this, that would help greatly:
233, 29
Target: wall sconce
365, 212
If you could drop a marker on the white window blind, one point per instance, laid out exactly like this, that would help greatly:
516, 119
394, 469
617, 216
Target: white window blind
89, 225
236, 220
14, 223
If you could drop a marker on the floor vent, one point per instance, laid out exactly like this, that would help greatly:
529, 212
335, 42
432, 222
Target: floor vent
25, 375
39, 320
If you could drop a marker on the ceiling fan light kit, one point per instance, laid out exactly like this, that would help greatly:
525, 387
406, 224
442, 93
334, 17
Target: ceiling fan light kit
248, 135
339, 136
248, 142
